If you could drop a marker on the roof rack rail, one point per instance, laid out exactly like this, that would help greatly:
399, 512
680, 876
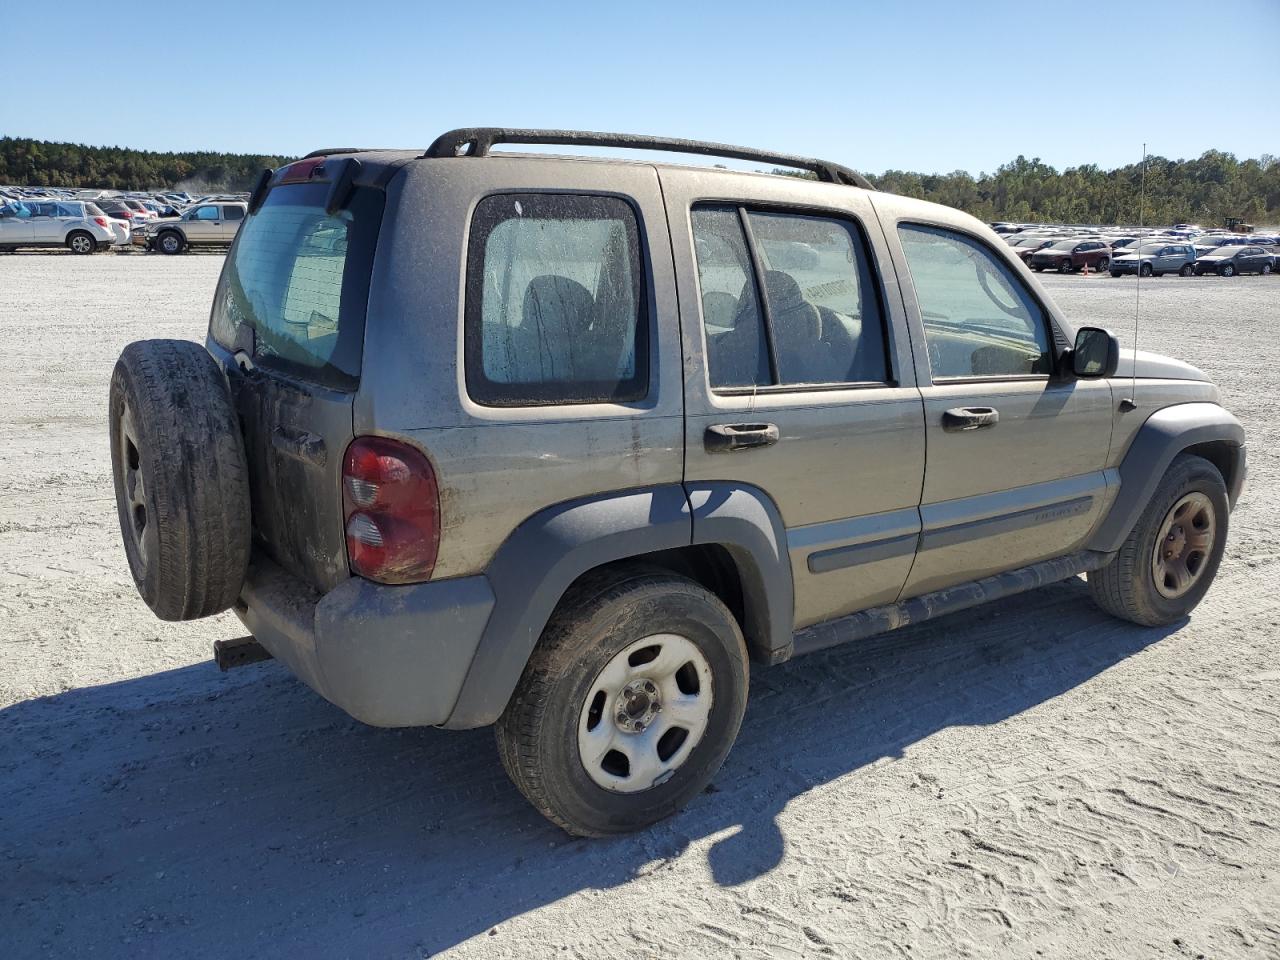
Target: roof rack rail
477, 142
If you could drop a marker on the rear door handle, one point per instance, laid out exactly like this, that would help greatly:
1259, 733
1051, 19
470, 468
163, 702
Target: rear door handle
729, 437
969, 418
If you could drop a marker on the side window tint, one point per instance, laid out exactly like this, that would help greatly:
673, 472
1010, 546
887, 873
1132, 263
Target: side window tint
207, 213
554, 302
818, 320
979, 321
737, 351
233, 213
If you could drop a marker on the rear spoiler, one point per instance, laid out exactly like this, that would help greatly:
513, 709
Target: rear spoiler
340, 172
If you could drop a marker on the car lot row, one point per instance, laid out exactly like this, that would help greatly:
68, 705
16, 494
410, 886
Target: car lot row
92, 226
1183, 249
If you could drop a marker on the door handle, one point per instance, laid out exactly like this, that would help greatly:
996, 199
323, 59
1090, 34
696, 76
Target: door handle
728, 437
969, 418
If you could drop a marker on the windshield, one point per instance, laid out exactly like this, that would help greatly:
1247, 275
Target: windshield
1231, 250
299, 278
1064, 245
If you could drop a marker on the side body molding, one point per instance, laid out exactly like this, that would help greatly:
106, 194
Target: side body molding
538, 562
745, 521
1166, 433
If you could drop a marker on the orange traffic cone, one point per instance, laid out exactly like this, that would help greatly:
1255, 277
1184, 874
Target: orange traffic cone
1086, 268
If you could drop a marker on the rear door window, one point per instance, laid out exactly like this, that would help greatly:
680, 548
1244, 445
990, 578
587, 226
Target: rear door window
555, 309
299, 279
817, 319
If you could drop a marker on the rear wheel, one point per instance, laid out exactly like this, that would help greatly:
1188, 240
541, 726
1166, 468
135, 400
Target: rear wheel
78, 241
1167, 563
1187, 270
1103, 263
170, 242
181, 478
1266, 269
629, 704
1226, 270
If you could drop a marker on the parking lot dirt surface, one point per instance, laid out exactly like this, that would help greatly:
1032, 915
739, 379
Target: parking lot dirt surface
1027, 779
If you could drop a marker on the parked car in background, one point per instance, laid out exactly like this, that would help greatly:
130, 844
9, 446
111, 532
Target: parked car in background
1068, 256
115, 207
206, 224
1240, 258
80, 227
1025, 247
1155, 258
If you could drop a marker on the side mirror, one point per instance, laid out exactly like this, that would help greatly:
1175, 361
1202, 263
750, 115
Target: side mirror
1096, 353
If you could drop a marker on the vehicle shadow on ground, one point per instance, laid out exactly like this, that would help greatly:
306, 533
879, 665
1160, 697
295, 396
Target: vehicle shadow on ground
192, 814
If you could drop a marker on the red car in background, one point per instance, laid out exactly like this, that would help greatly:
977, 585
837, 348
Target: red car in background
1068, 256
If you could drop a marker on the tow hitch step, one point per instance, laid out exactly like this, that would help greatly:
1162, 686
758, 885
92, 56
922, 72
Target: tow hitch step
238, 652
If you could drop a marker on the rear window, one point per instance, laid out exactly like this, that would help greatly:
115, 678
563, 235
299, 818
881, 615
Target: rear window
299, 278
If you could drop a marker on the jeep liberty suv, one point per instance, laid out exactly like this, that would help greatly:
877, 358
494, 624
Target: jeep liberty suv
565, 444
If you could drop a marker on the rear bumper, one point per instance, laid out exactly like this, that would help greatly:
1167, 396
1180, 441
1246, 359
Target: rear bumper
389, 656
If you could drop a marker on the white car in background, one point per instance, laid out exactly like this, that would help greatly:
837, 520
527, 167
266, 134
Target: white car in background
78, 225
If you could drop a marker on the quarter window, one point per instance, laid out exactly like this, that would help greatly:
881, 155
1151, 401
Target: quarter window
979, 321
799, 309
554, 304
233, 213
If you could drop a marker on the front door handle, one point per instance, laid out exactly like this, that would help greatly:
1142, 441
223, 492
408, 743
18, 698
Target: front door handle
969, 418
728, 437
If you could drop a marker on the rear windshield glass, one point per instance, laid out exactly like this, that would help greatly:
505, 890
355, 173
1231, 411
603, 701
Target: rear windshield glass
299, 279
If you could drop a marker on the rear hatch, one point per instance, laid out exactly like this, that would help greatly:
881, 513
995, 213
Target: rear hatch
288, 325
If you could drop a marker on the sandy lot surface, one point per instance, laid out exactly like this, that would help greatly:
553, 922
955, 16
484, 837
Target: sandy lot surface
1030, 779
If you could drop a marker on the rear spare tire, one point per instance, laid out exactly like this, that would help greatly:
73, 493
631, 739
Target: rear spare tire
181, 478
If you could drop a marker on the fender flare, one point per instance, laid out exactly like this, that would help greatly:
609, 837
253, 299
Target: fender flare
1165, 434
549, 551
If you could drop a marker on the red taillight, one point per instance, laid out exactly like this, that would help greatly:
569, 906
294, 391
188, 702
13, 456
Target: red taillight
127, 214
391, 509
100, 221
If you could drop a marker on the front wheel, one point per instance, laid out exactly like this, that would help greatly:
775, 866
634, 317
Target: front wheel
1187, 270
628, 705
1266, 269
170, 242
1065, 267
1227, 271
81, 243
1167, 563
1145, 270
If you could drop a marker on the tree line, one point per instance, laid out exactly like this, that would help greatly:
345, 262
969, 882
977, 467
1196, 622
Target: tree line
44, 163
1205, 190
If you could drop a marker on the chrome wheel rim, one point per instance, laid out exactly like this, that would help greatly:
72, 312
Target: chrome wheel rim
80, 244
1183, 548
135, 490
169, 243
645, 713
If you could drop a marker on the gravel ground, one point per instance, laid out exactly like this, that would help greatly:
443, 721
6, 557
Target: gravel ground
1028, 779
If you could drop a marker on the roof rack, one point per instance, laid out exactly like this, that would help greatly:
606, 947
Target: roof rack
333, 151
477, 142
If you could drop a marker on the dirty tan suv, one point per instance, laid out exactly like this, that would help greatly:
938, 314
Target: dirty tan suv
566, 444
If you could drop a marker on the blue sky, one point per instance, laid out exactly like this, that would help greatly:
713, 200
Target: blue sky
929, 86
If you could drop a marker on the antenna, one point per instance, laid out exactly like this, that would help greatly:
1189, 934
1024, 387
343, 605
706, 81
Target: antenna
1131, 401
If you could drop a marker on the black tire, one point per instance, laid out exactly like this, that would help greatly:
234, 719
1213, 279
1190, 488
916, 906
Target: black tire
1116, 273
1038, 269
81, 242
170, 242
186, 529
1066, 267
1144, 270
1226, 270
1187, 270
1266, 269
1126, 587
1103, 264
598, 618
